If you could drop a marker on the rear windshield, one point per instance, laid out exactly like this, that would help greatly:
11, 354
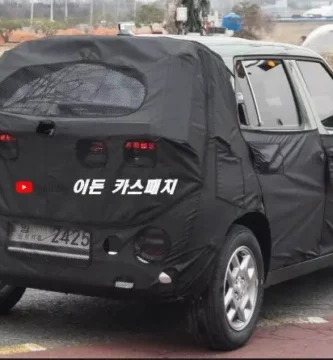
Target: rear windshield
72, 90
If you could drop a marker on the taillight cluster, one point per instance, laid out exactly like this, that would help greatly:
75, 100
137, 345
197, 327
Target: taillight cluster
140, 145
6, 138
8, 147
140, 153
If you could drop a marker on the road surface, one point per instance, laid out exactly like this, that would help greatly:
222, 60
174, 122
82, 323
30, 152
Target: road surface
297, 321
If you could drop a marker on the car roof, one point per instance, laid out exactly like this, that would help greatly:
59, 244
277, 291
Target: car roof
230, 47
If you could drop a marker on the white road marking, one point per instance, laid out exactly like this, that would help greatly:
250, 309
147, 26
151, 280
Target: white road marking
291, 320
316, 320
20, 348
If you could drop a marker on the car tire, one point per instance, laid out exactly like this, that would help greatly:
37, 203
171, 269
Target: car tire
228, 327
9, 297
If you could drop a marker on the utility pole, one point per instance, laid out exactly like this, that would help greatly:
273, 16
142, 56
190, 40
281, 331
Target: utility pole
171, 26
17, 8
91, 12
134, 10
104, 10
117, 11
32, 12
52, 11
66, 10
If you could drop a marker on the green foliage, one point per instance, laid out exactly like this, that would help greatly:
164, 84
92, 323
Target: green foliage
24, 22
254, 21
7, 27
51, 27
148, 14
47, 27
72, 22
37, 25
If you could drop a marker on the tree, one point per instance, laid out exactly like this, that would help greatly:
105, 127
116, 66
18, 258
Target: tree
148, 14
170, 24
47, 27
72, 22
37, 26
254, 20
7, 27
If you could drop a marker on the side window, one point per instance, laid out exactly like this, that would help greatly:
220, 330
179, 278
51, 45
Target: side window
320, 86
272, 92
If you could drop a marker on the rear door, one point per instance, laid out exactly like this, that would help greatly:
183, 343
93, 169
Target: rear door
287, 157
60, 117
318, 81
90, 138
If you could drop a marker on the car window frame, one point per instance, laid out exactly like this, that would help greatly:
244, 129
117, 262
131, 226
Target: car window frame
321, 61
254, 104
299, 101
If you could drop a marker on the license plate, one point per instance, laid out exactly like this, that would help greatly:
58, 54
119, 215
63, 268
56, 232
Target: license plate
49, 241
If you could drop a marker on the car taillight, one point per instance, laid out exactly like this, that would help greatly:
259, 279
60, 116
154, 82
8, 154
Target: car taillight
140, 153
8, 147
152, 245
140, 145
6, 138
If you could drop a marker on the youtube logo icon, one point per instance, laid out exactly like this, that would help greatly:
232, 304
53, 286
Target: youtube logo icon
24, 187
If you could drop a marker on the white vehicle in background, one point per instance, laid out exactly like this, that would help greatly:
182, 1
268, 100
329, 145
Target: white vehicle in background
320, 40
324, 11
126, 28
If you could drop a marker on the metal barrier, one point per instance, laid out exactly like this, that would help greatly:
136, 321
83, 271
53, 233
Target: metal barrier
303, 19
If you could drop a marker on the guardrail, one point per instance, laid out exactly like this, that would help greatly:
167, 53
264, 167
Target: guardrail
303, 19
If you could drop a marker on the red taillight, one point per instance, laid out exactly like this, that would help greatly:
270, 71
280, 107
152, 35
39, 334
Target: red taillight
8, 147
140, 145
140, 153
128, 145
6, 138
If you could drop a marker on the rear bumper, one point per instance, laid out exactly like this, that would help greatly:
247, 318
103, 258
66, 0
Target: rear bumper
100, 275
99, 279
189, 263
103, 275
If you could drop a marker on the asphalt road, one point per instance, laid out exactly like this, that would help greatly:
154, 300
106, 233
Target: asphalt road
54, 320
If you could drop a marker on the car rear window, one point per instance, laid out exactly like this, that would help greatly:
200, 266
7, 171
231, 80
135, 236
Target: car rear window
73, 90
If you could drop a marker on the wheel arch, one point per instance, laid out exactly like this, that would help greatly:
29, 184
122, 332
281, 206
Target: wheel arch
259, 225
